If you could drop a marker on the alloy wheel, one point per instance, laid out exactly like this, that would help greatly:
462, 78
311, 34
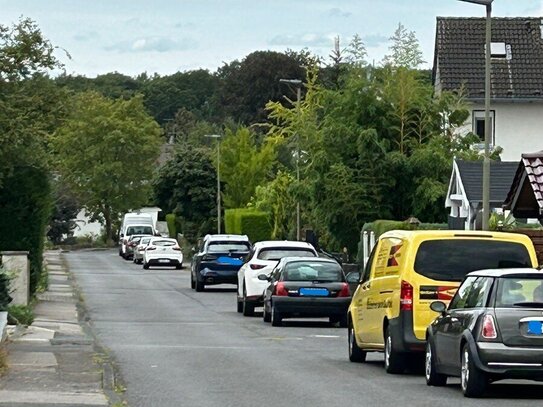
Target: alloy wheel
465, 369
388, 346
428, 362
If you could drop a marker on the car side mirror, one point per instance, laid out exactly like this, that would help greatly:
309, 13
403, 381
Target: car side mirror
353, 277
263, 277
438, 306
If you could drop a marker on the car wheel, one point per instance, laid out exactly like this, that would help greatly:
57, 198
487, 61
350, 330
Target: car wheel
200, 286
394, 360
146, 266
248, 308
179, 267
276, 318
266, 316
240, 304
192, 283
433, 378
473, 381
355, 353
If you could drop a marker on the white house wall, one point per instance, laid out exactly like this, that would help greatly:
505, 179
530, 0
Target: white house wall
519, 128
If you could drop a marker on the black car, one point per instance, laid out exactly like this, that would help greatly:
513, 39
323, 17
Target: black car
218, 260
306, 287
492, 330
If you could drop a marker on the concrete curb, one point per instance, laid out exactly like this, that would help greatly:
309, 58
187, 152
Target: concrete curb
3, 326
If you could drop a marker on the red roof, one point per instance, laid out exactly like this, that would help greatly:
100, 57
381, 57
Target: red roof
529, 172
533, 163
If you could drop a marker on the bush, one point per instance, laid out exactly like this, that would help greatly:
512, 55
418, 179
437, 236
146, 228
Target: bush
250, 222
25, 207
171, 221
5, 298
20, 315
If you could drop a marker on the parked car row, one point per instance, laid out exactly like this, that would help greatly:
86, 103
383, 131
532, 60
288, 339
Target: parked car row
153, 251
407, 303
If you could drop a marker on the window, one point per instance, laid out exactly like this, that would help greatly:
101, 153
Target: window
513, 290
452, 259
277, 253
479, 124
461, 296
164, 243
312, 271
479, 293
139, 230
225, 247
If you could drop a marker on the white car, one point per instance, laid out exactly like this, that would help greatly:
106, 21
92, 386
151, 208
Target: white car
262, 259
140, 249
162, 251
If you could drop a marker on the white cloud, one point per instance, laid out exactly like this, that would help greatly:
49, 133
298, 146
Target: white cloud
152, 44
304, 40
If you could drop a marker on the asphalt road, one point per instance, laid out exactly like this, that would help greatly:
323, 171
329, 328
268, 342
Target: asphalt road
177, 347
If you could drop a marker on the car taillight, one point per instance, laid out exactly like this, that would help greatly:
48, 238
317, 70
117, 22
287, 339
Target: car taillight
488, 330
281, 290
151, 248
345, 292
257, 266
406, 297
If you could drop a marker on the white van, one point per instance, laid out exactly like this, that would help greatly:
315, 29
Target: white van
134, 223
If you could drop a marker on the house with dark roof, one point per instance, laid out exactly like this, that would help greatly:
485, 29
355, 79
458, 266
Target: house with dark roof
525, 197
516, 77
465, 195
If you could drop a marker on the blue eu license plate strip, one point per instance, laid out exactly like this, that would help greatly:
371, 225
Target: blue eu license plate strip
230, 261
535, 328
314, 292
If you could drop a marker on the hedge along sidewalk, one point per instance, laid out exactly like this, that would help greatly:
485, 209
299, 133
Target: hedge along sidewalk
3, 327
52, 362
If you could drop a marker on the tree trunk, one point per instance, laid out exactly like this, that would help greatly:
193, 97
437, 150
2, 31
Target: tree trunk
108, 225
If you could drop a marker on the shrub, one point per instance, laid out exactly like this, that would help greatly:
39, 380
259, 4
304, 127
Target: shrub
25, 207
250, 222
171, 221
5, 298
20, 315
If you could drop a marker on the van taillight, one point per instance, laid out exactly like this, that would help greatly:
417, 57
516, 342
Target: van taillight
345, 292
406, 297
488, 330
280, 290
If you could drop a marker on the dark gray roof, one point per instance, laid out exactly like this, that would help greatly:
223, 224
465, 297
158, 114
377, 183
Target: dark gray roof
532, 165
460, 57
501, 178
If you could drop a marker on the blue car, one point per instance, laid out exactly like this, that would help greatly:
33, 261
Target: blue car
218, 260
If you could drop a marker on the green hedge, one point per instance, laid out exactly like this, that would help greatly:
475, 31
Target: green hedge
5, 298
172, 228
250, 222
25, 209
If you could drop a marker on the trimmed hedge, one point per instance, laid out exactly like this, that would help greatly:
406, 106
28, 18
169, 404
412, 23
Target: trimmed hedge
172, 228
243, 221
25, 208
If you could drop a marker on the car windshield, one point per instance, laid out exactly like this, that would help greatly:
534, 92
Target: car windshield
139, 230
163, 243
452, 259
277, 253
225, 247
312, 271
516, 291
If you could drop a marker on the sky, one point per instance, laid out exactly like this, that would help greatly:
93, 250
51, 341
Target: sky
167, 36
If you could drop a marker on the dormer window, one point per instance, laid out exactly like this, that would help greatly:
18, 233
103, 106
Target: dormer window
500, 50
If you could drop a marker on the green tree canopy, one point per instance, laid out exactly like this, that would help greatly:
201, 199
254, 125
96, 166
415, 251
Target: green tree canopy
106, 151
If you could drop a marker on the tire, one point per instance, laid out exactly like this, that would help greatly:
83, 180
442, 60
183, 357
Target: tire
199, 286
248, 308
356, 354
472, 380
433, 378
146, 266
240, 305
179, 267
192, 283
266, 316
394, 360
275, 317
339, 320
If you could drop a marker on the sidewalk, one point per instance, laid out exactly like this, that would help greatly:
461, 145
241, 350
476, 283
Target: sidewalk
53, 362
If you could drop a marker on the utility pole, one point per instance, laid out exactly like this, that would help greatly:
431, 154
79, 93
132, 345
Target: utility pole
218, 137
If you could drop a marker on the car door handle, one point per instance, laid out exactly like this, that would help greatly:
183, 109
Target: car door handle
386, 292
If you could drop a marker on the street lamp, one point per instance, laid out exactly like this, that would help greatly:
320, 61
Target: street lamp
298, 84
486, 162
218, 137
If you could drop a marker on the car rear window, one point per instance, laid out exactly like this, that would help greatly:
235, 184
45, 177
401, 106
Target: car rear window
452, 259
225, 247
277, 253
312, 271
519, 291
163, 243
139, 230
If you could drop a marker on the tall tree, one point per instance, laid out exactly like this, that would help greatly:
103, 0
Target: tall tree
405, 49
106, 151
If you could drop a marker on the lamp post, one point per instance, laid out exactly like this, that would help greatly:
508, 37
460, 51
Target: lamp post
486, 162
218, 137
298, 84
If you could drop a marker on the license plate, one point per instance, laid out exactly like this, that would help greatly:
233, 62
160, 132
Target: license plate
163, 261
535, 328
231, 261
314, 292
